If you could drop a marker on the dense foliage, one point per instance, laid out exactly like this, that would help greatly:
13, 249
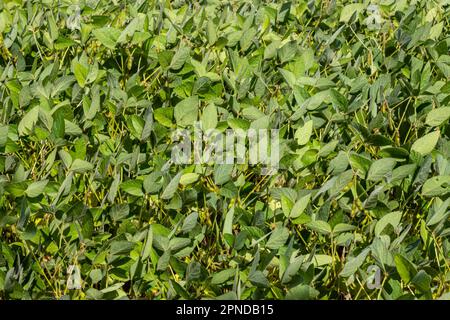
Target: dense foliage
92, 90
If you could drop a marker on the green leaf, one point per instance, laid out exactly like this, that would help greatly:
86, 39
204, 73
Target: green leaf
222, 173
405, 268
94, 108
17, 189
288, 51
439, 213
271, 50
148, 125
247, 38
120, 247
278, 238
338, 100
402, 172
3, 135
164, 116
302, 292
152, 182
129, 31
62, 84
354, 263
113, 188
211, 32
63, 43
96, 275
163, 261
222, 276
179, 58
119, 212
59, 125
359, 163
178, 243
259, 279
170, 189
146, 249
381, 168
422, 281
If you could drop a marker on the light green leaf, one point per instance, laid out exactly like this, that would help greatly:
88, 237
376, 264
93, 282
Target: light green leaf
228, 223
80, 71
133, 187
186, 111
163, 261
28, 122
209, 117
436, 186
303, 134
426, 144
343, 227
319, 226
439, 213
405, 268
108, 36
436, 30
438, 116
189, 222
392, 218
188, 178
36, 188
300, 206
71, 128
